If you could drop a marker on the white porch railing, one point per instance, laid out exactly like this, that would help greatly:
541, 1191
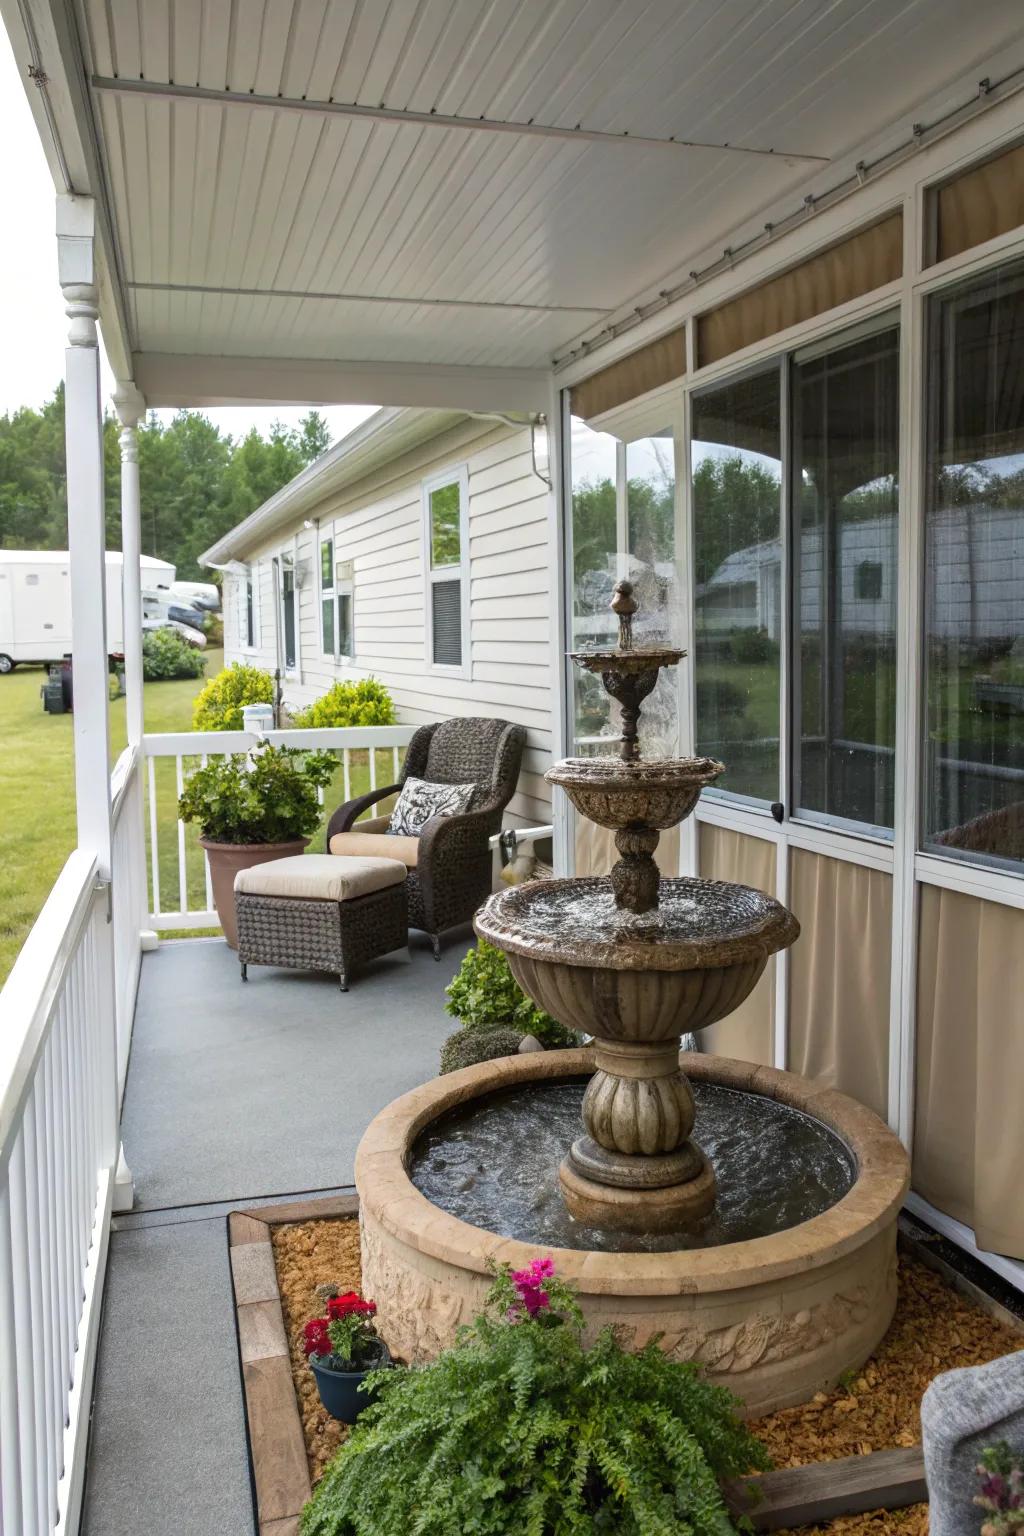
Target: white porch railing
180, 892
58, 1155
67, 1011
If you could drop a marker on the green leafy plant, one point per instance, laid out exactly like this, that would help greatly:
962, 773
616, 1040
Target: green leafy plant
167, 655
218, 706
483, 994
522, 1430
266, 796
213, 628
468, 1046
1001, 1490
366, 702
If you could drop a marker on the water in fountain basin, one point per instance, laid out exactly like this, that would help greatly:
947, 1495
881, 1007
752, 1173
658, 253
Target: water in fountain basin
494, 1163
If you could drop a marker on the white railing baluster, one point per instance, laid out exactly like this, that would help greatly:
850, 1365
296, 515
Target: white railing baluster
47, 1333
346, 772
208, 883
179, 784
396, 770
373, 768
154, 843
11, 1509
24, 1351
33, 1244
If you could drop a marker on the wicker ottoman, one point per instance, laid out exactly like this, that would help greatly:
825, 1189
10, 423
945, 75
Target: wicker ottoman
319, 912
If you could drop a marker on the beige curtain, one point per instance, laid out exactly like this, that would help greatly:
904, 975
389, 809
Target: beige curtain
866, 260
596, 852
984, 201
747, 1033
969, 1124
648, 368
839, 976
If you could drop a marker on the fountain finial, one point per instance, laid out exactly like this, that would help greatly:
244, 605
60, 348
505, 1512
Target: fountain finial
624, 604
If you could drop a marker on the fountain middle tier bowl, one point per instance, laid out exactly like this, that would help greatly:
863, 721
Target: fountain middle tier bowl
649, 792
651, 977
775, 1318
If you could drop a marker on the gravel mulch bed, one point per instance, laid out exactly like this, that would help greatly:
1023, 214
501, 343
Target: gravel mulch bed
309, 1254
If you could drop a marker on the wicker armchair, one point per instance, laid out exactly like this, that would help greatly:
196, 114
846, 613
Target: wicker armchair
451, 874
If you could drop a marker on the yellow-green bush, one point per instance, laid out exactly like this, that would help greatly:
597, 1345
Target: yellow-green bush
218, 706
366, 702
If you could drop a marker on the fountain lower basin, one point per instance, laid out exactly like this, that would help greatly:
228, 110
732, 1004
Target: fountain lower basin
775, 1318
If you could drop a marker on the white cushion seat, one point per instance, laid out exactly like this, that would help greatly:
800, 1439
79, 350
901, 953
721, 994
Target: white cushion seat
321, 876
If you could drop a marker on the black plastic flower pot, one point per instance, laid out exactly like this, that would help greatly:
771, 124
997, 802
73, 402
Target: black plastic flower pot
339, 1390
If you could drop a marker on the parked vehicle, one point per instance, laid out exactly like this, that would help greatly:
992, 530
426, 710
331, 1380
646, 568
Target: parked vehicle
35, 603
186, 631
197, 594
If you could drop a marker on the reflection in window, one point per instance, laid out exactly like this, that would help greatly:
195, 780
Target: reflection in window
846, 458
738, 581
624, 501
974, 571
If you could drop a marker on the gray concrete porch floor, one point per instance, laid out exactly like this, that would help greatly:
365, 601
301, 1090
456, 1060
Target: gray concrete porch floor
235, 1094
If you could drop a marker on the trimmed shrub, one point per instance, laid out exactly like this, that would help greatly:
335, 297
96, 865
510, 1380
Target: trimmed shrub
483, 994
218, 707
467, 1047
213, 628
167, 655
753, 645
366, 702
521, 1429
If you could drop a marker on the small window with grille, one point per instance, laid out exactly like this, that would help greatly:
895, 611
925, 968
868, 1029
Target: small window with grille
446, 574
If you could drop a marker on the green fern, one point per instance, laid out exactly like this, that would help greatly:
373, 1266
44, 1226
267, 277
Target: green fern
521, 1430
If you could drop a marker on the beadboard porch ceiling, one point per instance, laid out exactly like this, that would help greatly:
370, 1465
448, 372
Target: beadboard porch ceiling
424, 202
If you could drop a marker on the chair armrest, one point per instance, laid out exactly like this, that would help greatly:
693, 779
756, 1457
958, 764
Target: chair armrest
456, 837
345, 817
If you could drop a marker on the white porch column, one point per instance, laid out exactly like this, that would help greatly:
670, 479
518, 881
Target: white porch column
83, 437
83, 433
130, 407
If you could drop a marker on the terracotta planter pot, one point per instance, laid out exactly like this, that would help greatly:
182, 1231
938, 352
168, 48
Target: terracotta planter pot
226, 859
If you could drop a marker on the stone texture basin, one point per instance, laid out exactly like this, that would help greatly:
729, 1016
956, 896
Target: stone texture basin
650, 792
775, 1318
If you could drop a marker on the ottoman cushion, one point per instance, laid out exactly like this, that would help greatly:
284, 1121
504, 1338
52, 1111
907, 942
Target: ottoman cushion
377, 845
320, 877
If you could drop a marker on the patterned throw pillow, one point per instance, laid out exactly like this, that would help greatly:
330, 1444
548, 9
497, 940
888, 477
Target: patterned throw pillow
419, 801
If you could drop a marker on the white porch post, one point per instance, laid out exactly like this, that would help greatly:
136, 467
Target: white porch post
83, 436
130, 406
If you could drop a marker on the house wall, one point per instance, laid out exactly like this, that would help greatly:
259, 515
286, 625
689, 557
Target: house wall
378, 525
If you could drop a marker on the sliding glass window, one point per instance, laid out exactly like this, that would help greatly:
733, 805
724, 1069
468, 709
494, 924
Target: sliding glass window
737, 553
845, 458
974, 572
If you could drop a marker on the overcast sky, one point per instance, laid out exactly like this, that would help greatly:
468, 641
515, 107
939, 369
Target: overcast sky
33, 326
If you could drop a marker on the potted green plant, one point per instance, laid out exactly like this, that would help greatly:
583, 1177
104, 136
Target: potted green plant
342, 1349
250, 808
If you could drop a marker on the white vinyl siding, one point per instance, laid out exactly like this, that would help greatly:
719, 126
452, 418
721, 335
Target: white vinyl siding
377, 527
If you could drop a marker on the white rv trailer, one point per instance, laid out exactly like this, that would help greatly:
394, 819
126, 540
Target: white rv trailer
35, 603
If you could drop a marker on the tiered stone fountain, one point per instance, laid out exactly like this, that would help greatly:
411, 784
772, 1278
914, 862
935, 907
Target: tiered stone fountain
636, 960
768, 1255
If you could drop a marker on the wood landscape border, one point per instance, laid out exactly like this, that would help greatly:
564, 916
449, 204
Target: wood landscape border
789, 1497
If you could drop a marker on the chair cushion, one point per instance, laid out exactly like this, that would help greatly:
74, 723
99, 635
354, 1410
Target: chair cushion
320, 877
376, 845
420, 801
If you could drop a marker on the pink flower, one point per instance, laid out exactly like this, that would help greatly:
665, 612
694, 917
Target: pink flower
529, 1284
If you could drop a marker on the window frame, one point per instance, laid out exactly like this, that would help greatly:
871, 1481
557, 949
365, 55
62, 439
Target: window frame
289, 552
248, 609
456, 475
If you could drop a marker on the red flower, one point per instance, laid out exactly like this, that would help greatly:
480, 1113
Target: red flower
315, 1338
348, 1305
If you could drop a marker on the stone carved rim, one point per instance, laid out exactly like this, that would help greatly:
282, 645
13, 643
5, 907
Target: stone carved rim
388, 1194
501, 922
612, 774
639, 658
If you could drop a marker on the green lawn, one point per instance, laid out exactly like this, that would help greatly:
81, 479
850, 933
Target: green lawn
37, 795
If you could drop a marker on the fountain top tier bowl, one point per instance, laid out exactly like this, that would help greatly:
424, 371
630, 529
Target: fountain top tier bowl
698, 925
635, 792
